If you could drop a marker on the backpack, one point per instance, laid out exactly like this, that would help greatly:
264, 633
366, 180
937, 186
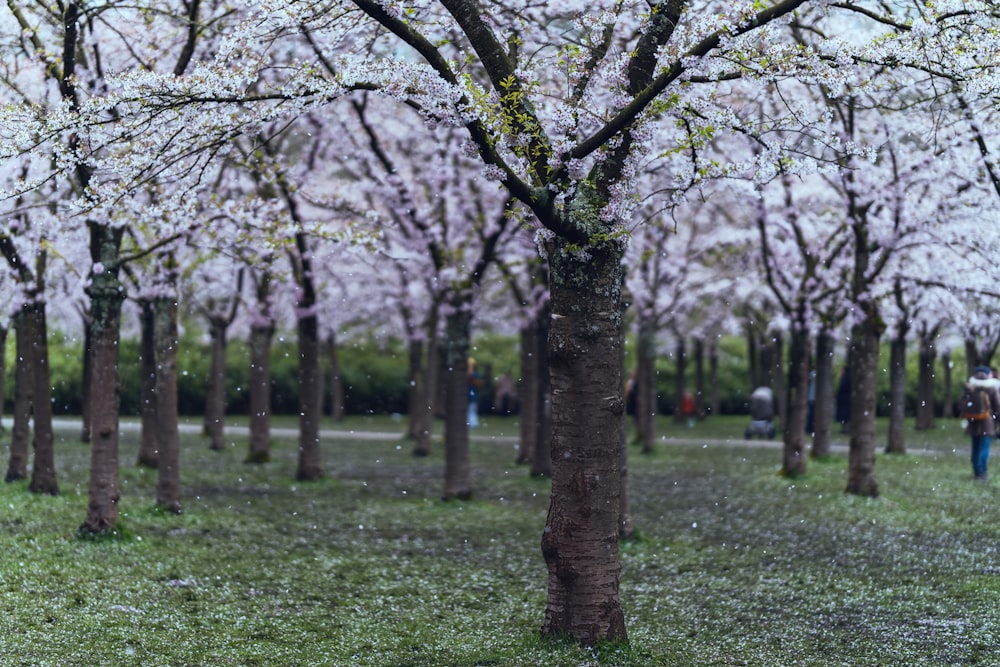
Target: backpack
974, 405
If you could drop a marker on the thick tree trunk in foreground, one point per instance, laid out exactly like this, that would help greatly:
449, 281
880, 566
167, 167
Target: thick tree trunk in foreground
456, 426
896, 442
106, 294
260, 393
580, 539
43, 470
149, 443
823, 410
925, 385
794, 429
215, 396
863, 358
168, 479
17, 465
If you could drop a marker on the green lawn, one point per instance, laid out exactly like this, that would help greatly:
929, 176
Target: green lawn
735, 565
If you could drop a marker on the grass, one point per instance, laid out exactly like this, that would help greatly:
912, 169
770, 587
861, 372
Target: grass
735, 566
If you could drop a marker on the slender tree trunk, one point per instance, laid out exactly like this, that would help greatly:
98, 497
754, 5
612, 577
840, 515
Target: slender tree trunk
580, 539
168, 479
541, 461
896, 443
823, 415
427, 381
777, 377
215, 397
458, 324
415, 395
971, 356
336, 381
949, 404
713, 379
699, 378
926, 404
863, 358
645, 384
794, 429
85, 382
17, 465
106, 294
528, 391
149, 443
679, 379
260, 393
3, 373
43, 470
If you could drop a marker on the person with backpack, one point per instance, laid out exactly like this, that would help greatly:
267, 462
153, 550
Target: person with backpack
979, 406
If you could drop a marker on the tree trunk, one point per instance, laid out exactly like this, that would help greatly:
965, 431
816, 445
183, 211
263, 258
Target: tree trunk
823, 414
863, 359
168, 479
541, 461
971, 356
580, 539
776, 353
106, 295
17, 466
645, 384
3, 372
85, 380
149, 444
794, 427
896, 443
679, 380
713, 379
310, 396
456, 426
415, 394
215, 396
43, 470
336, 381
260, 393
528, 391
949, 404
699, 378
925, 384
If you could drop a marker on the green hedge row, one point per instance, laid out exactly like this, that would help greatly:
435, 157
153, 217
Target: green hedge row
374, 373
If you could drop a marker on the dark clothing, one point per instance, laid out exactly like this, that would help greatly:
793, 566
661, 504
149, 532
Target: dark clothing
981, 431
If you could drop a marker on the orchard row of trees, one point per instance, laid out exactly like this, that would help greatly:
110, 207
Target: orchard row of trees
823, 170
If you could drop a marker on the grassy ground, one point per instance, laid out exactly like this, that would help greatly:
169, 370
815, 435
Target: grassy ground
735, 566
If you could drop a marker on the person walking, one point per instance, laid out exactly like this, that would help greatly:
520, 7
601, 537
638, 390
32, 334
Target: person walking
980, 406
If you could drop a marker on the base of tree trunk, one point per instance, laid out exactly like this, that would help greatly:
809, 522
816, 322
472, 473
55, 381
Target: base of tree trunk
15, 477
170, 507
258, 457
458, 495
421, 451
146, 462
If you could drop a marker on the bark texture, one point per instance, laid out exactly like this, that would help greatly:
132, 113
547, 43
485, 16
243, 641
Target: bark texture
168, 479
149, 442
896, 441
259, 450
580, 539
43, 470
823, 415
457, 483
794, 429
925, 383
864, 369
17, 464
215, 396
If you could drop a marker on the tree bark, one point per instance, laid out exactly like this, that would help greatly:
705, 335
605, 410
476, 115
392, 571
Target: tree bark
149, 444
310, 397
794, 428
926, 403
949, 403
17, 465
106, 295
896, 443
215, 396
259, 450
168, 480
43, 470
529, 395
776, 374
645, 384
823, 415
458, 323
580, 539
85, 380
863, 359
